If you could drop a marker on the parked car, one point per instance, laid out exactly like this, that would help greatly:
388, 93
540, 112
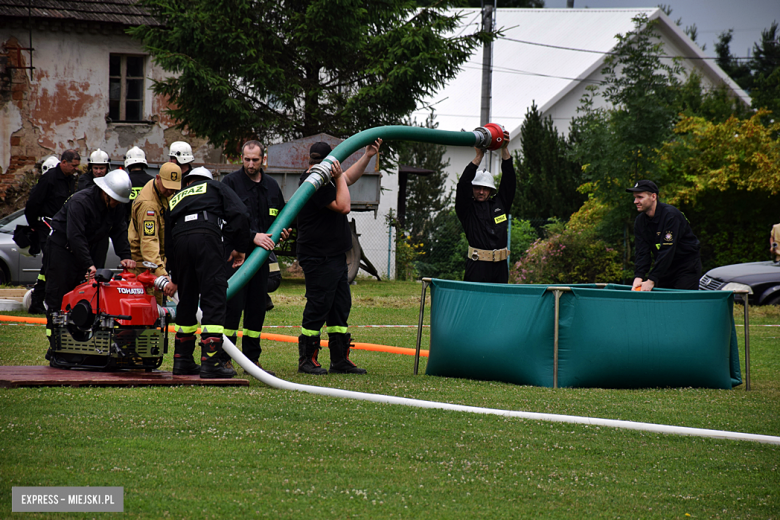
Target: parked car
19, 269
761, 279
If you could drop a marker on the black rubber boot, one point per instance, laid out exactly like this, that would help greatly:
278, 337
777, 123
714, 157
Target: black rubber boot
340, 363
211, 364
183, 360
308, 349
37, 297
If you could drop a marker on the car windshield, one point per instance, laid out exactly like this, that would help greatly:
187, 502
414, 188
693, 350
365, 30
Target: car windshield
8, 223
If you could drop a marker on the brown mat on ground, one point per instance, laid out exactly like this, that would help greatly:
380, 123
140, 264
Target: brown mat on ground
16, 376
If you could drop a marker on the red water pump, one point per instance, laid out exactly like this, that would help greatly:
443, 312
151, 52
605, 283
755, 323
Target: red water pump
111, 323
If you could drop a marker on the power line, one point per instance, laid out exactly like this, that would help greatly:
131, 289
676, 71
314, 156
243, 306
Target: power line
607, 52
506, 70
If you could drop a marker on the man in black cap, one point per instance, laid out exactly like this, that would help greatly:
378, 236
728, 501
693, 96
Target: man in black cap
324, 237
667, 251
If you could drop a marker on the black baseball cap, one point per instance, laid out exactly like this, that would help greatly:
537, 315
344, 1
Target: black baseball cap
319, 150
644, 185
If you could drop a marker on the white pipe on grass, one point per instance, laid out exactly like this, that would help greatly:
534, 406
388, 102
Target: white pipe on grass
275, 382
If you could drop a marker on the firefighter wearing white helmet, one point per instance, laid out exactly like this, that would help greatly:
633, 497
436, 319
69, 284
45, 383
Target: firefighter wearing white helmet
97, 166
181, 154
49, 163
483, 213
78, 228
196, 265
135, 164
57, 183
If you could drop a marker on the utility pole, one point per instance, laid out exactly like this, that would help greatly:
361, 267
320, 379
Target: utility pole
488, 12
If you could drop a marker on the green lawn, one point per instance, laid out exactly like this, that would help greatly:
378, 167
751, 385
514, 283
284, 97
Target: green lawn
186, 452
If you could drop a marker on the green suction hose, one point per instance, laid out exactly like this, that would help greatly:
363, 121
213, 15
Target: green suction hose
320, 174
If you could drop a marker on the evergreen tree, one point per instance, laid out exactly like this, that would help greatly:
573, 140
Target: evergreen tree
426, 195
281, 69
737, 70
547, 180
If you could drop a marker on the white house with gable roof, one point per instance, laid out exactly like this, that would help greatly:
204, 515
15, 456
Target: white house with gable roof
549, 56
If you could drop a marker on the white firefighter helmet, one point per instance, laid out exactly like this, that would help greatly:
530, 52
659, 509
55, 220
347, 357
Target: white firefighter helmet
182, 152
49, 163
484, 178
98, 157
200, 171
135, 156
116, 184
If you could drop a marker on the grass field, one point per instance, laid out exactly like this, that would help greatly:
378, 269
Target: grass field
257, 452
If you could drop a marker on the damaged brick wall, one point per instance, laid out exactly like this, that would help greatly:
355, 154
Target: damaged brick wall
66, 103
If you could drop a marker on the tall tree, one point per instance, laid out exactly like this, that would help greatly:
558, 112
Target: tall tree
617, 145
726, 178
738, 70
426, 195
547, 180
426, 199
290, 68
766, 72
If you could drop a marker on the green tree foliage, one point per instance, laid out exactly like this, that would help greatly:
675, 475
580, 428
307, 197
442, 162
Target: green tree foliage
547, 180
523, 235
291, 68
725, 177
738, 70
568, 255
426, 197
766, 72
617, 145
760, 75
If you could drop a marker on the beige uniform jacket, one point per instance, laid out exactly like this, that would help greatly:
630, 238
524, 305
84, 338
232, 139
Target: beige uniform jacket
146, 231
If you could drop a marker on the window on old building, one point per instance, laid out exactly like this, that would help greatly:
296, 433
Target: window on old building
126, 88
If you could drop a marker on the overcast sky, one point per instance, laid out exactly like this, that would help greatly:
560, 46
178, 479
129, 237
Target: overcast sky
747, 17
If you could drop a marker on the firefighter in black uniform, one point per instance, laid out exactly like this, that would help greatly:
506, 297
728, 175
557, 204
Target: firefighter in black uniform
83, 222
135, 164
664, 239
483, 215
324, 237
97, 166
46, 199
197, 266
263, 197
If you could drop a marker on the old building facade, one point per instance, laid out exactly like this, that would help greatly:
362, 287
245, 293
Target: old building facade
70, 77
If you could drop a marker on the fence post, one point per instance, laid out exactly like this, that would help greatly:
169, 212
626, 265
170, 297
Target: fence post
389, 244
509, 241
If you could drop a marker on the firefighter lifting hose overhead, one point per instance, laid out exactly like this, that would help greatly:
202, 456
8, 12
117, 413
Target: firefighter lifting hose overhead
488, 137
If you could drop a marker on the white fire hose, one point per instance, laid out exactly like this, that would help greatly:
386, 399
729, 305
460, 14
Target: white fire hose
281, 384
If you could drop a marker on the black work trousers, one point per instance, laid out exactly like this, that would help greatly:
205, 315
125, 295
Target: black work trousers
201, 277
486, 272
327, 291
251, 300
63, 274
686, 276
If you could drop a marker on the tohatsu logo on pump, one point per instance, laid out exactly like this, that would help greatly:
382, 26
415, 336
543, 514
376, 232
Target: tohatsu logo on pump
125, 290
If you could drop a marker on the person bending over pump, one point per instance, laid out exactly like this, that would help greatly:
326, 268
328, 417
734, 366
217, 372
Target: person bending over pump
483, 215
147, 225
78, 229
197, 266
664, 239
324, 237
